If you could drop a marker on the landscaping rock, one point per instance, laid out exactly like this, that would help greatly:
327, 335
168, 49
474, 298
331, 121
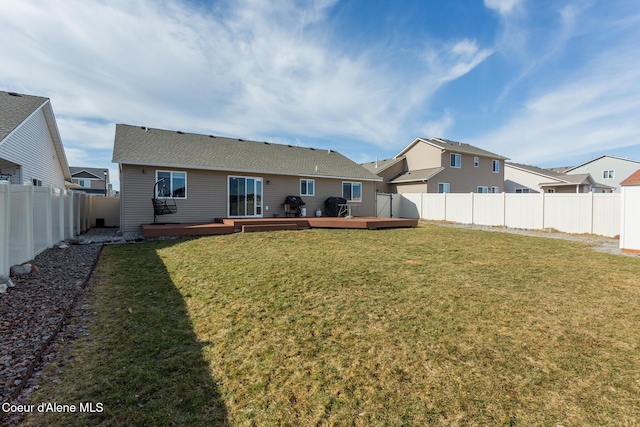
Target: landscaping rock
21, 270
3, 288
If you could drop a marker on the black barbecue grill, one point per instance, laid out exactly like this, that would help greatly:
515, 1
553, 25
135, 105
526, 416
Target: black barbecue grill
292, 205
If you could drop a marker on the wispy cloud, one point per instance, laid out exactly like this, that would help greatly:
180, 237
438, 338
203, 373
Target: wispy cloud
248, 68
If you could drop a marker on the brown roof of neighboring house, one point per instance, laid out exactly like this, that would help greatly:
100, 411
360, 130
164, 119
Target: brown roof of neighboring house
633, 179
157, 147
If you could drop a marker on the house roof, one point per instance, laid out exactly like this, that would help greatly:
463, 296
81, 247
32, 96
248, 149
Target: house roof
381, 165
82, 172
546, 173
453, 146
560, 179
157, 147
15, 108
600, 157
633, 179
418, 175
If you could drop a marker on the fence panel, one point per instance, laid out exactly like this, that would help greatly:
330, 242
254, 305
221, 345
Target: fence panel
41, 219
488, 209
411, 205
524, 211
606, 214
33, 219
459, 208
435, 207
571, 213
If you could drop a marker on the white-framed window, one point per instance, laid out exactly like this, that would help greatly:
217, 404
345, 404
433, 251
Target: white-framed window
36, 182
84, 183
495, 166
608, 173
495, 189
476, 162
456, 160
352, 191
551, 190
444, 187
174, 184
482, 189
523, 190
307, 187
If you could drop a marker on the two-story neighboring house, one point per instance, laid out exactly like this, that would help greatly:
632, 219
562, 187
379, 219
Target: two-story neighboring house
607, 170
435, 165
91, 180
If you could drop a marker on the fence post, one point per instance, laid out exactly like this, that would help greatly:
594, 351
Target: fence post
543, 195
504, 209
591, 211
421, 205
49, 208
5, 228
29, 235
61, 235
472, 205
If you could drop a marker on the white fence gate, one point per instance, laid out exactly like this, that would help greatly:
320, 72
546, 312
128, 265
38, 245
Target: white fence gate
33, 219
591, 213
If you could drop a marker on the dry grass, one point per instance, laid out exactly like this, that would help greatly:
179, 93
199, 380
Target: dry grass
427, 326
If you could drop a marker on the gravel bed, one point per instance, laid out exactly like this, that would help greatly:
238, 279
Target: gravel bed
34, 310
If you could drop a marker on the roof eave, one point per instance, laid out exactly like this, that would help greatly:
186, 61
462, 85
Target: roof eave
307, 175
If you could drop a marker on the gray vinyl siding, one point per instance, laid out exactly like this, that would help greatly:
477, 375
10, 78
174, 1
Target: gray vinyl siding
207, 195
32, 147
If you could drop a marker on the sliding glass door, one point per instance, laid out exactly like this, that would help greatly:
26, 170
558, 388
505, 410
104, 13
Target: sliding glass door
245, 196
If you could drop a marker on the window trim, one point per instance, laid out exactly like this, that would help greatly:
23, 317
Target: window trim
171, 172
495, 166
484, 187
352, 183
495, 190
452, 160
476, 161
447, 188
523, 190
608, 173
306, 193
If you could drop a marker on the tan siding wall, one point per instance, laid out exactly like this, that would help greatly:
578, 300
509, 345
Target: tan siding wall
467, 178
388, 174
423, 156
207, 196
413, 188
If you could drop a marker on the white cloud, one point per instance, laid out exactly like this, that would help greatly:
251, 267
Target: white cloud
255, 68
503, 7
594, 109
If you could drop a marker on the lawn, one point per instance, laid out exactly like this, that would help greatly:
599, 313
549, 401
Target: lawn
426, 326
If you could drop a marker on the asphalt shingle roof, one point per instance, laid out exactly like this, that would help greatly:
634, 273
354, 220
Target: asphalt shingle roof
157, 147
381, 164
461, 147
15, 108
416, 175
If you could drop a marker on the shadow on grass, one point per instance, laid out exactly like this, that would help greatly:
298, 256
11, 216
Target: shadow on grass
143, 362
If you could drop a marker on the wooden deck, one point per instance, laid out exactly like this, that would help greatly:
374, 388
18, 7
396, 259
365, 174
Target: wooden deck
231, 225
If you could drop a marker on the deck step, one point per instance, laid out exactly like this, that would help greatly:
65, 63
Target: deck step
268, 227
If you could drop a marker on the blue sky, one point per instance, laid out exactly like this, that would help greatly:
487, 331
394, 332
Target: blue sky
548, 83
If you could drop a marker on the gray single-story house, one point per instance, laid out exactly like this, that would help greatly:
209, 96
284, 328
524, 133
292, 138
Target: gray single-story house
209, 177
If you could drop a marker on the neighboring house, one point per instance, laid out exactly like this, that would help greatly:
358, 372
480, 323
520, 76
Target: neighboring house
532, 179
607, 170
438, 165
91, 180
212, 177
31, 150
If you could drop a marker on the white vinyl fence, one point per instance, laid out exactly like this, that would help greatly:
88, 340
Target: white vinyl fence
592, 213
33, 219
